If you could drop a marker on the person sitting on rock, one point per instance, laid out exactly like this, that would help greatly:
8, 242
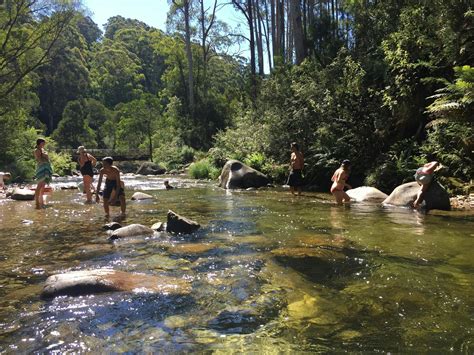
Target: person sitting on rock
168, 186
295, 179
424, 177
4, 177
339, 179
112, 182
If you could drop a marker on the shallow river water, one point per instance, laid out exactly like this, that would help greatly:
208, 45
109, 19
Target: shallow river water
268, 273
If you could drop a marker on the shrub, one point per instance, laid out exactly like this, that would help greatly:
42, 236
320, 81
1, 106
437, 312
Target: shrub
203, 169
256, 161
62, 163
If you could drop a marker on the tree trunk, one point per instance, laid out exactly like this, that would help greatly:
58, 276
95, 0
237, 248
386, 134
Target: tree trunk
189, 56
258, 31
266, 29
274, 30
297, 31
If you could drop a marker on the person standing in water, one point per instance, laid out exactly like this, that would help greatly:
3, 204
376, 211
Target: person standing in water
44, 171
295, 179
424, 177
339, 179
112, 182
86, 166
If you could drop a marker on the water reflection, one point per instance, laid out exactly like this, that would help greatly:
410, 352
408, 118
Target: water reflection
268, 272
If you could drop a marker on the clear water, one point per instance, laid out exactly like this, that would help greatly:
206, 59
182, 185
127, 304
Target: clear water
269, 273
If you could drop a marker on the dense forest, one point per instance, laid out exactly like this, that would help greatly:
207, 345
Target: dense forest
387, 84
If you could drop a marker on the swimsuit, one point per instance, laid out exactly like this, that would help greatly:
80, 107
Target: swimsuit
335, 184
109, 186
423, 178
296, 178
87, 169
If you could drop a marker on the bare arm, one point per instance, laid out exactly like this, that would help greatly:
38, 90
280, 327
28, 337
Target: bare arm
93, 160
99, 183
430, 167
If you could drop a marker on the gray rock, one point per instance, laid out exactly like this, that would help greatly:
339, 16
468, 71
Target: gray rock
112, 226
138, 196
23, 195
133, 230
436, 196
180, 225
159, 226
366, 194
76, 283
149, 168
237, 175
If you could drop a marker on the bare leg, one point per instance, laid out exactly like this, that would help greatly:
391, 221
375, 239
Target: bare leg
346, 197
299, 190
420, 196
292, 190
39, 194
339, 195
106, 206
87, 186
122, 204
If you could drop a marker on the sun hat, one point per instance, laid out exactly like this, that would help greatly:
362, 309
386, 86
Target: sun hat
81, 149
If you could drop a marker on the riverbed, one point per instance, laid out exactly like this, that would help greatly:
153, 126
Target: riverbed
268, 272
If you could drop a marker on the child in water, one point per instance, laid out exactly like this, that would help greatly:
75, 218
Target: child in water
339, 179
112, 182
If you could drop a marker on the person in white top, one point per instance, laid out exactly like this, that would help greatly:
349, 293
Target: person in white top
4, 177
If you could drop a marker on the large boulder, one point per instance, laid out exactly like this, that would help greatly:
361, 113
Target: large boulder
366, 194
435, 197
76, 283
138, 196
133, 230
23, 195
237, 175
149, 168
180, 225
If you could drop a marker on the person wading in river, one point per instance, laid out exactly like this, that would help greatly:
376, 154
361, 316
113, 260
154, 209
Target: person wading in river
295, 179
112, 182
339, 179
424, 177
44, 171
86, 166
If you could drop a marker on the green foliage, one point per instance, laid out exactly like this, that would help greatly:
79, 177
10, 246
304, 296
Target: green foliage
62, 163
256, 160
203, 169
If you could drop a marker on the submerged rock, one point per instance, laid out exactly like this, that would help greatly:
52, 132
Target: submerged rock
22, 195
180, 225
366, 194
111, 226
303, 252
137, 196
189, 248
133, 230
436, 196
237, 175
76, 283
149, 168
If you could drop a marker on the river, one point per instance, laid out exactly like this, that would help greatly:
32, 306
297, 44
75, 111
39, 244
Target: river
269, 272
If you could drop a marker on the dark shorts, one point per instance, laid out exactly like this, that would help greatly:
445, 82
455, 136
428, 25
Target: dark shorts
295, 179
109, 186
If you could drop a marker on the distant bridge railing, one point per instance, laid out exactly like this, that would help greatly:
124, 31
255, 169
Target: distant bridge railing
132, 154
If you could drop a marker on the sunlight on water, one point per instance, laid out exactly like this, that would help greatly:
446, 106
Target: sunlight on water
268, 272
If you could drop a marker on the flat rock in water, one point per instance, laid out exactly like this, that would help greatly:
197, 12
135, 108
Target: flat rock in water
76, 283
404, 195
22, 195
180, 225
133, 230
137, 196
366, 194
191, 248
111, 226
237, 175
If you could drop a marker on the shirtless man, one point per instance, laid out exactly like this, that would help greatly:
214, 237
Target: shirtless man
295, 180
339, 179
4, 177
112, 182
